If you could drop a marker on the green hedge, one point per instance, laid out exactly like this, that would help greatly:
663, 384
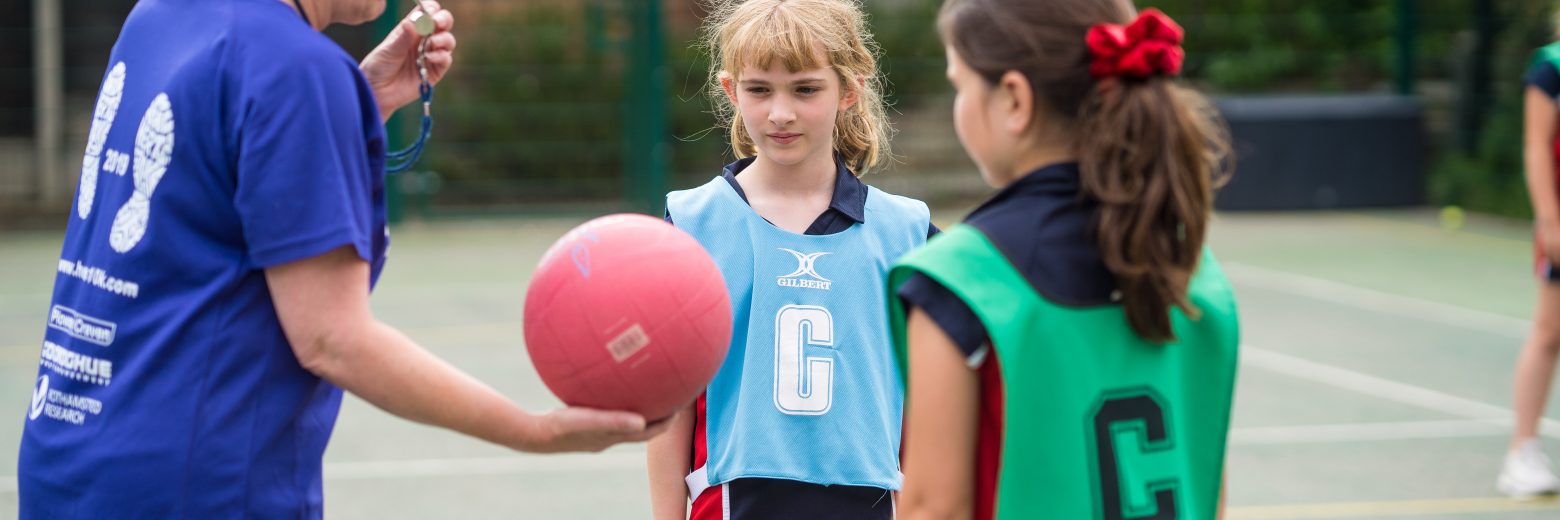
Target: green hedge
533, 110
1489, 178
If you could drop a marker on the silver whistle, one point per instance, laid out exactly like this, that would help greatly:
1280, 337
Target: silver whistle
422, 22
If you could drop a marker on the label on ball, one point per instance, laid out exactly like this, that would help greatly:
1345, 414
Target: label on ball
627, 343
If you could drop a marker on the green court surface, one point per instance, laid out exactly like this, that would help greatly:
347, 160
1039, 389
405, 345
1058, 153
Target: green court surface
1375, 376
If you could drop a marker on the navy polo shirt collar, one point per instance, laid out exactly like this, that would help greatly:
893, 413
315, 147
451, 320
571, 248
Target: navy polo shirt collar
850, 194
1052, 178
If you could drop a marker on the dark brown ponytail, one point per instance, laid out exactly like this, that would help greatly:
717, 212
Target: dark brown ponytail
1150, 151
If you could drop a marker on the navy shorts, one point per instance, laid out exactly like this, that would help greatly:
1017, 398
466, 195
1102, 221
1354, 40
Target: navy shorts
778, 499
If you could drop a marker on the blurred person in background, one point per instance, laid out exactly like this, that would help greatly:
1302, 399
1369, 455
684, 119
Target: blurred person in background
1527, 471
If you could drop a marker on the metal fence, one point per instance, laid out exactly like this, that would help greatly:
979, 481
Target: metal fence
601, 103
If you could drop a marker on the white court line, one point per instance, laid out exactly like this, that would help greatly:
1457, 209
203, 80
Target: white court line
1367, 384
627, 460
1481, 416
1378, 301
1391, 508
1385, 303
503, 465
1366, 432
1483, 420
465, 466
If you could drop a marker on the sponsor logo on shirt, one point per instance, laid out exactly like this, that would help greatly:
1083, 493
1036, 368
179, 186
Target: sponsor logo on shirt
99, 278
40, 394
806, 274
81, 326
60, 406
75, 365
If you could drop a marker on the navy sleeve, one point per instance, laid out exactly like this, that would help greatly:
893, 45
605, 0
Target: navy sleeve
310, 150
931, 230
949, 312
1544, 76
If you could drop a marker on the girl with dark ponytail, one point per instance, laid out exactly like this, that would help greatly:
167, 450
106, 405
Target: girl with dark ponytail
1072, 345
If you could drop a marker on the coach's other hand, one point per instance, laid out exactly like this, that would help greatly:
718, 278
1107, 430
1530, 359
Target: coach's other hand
391, 68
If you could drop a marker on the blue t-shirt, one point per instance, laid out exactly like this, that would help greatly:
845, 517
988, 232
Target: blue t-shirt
228, 137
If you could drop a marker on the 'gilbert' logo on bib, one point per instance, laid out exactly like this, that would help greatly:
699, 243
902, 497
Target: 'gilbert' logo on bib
806, 274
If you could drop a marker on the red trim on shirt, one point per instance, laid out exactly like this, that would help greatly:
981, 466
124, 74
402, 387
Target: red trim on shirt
706, 506
988, 441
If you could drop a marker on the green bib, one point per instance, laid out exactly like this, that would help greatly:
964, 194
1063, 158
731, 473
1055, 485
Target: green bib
1547, 54
1097, 423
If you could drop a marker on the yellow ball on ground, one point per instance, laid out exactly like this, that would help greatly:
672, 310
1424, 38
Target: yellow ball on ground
1451, 218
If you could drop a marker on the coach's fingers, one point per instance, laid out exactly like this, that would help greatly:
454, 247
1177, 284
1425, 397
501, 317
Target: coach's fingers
443, 20
650, 431
438, 64
607, 421
441, 42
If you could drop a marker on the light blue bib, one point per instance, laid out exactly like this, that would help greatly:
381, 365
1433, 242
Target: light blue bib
809, 390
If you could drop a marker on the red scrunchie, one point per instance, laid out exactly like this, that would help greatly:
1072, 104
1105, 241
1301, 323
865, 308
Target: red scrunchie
1149, 46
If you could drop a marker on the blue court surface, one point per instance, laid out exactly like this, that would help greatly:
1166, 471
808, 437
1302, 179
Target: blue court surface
1374, 383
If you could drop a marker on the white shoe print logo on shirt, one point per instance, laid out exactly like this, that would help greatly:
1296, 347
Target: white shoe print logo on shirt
102, 120
153, 151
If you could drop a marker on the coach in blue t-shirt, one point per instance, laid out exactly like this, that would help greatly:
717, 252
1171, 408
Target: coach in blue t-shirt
211, 300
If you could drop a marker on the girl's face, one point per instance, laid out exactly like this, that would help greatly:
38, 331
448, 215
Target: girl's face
975, 113
972, 121
789, 116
